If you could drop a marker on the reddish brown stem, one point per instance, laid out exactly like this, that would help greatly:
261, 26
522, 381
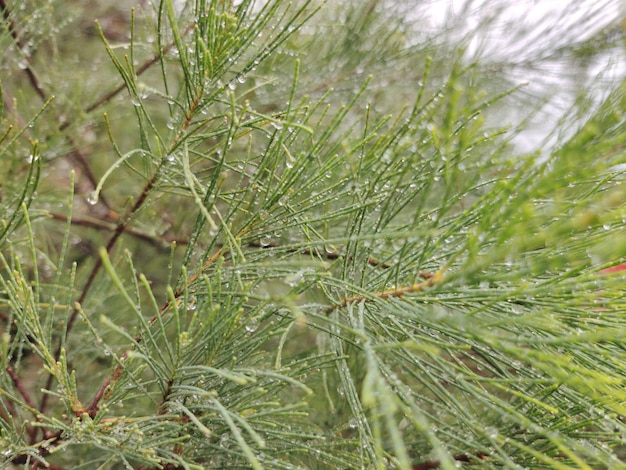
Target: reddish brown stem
326, 255
32, 432
430, 280
20, 387
96, 269
158, 242
92, 409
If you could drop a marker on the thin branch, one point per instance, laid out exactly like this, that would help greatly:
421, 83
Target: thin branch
430, 281
92, 409
163, 242
140, 70
20, 387
94, 406
96, 269
157, 241
320, 254
27, 399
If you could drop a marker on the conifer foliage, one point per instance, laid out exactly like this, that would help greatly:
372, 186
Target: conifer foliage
271, 234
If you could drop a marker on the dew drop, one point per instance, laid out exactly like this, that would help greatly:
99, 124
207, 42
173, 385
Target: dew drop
491, 431
92, 198
251, 326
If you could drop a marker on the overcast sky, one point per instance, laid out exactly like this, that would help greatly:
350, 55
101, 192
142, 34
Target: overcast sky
523, 34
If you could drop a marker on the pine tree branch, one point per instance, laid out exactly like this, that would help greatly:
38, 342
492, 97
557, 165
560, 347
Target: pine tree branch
93, 408
430, 280
514, 345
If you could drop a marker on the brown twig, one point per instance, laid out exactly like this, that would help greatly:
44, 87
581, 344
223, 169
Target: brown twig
319, 253
159, 242
92, 409
26, 397
139, 71
429, 281
20, 387
96, 269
